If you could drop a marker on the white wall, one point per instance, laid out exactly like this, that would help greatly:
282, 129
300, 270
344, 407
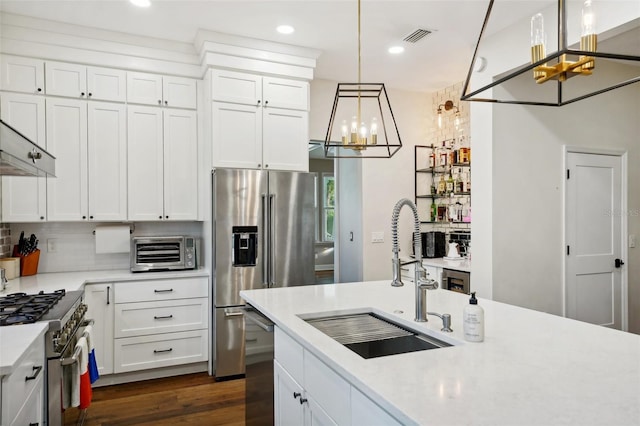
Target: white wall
528, 177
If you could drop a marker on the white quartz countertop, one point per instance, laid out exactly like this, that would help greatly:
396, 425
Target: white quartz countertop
532, 369
14, 341
71, 281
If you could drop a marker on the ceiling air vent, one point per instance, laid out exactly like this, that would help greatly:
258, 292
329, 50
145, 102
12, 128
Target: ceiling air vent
417, 35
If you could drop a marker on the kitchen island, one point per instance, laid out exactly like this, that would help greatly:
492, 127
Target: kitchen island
532, 368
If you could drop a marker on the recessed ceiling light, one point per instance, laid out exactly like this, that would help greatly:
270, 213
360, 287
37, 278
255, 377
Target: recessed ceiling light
285, 29
396, 49
141, 3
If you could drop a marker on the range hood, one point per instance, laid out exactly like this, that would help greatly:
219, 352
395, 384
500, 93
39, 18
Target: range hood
21, 157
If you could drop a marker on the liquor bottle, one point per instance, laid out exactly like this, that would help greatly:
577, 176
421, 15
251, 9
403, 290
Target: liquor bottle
449, 184
432, 159
459, 187
442, 186
433, 211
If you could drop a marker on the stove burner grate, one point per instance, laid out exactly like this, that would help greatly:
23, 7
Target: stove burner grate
22, 308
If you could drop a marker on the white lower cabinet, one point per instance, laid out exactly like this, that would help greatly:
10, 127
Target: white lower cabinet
23, 390
309, 392
100, 301
160, 323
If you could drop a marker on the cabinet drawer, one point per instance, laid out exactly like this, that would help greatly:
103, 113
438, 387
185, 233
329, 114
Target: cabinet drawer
289, 354
16, 388
138, 319
328, 389
145, 352
170, 289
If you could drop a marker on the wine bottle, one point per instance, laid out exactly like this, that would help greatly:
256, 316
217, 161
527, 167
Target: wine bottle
442, 186
449, 184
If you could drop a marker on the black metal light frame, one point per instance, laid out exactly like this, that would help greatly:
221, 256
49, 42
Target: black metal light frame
563, 49
366, 92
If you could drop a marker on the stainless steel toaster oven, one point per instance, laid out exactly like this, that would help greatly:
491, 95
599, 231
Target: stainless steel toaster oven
163, 253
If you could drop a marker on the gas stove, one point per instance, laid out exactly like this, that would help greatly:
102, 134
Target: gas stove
23, 308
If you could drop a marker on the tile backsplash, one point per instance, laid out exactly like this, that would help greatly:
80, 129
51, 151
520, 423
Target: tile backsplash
6, 248
68, 246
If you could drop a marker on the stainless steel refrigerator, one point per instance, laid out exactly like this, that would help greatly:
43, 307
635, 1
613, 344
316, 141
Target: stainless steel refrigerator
263, 237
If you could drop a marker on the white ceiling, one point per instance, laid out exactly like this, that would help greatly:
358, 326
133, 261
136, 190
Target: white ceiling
436, 61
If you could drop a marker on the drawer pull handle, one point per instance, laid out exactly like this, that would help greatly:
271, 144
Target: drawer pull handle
233, 314
251, 340
36, 371
163, 291
155, 351
164, 317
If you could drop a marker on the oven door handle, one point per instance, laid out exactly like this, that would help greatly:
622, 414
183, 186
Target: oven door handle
76, 353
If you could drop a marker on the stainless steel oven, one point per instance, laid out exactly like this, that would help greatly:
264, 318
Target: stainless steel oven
458, 281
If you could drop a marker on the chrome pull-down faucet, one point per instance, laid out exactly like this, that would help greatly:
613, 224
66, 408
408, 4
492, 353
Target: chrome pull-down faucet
420, 275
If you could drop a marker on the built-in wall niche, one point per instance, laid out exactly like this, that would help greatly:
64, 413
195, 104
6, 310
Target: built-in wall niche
66, 246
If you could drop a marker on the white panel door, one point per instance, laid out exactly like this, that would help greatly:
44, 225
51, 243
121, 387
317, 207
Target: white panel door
99, 299
19, 74
145, 163
107, 156
24, 199
236, 87
594, 239
179, 92
106, 84
180, 165
67, 141
143, 88
285, 139
287, 394
64, 79
237, 135
283, 93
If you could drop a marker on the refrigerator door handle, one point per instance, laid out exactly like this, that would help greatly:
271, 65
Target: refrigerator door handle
272, 242
265, 242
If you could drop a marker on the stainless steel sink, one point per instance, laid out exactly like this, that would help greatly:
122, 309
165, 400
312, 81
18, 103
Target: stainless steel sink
371, 336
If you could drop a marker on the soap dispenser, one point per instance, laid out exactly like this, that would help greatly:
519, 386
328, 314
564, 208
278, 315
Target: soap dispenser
473, 320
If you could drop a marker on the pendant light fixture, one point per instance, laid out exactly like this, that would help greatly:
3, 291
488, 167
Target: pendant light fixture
568, 58
364, 112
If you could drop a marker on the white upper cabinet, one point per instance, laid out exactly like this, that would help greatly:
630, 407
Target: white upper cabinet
162, 164
236, 87
79, 81
24, 199
153, 89
107, 161
18, 74
259, 122
67, 195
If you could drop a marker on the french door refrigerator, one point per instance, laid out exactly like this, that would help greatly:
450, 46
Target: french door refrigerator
263, 237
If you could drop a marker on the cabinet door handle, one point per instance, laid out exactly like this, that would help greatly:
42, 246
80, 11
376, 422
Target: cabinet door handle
303, 400
163, 317
81, 93
162, 351
259, 102
108, 288
90, 94
266, 103
36, 371
39, 89
163, 291
296, 395
166, 102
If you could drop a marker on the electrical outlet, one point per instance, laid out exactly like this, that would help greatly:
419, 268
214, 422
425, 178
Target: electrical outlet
377, 237
632, 241
52, 247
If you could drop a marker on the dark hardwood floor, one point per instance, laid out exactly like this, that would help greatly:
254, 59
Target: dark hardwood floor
194, 399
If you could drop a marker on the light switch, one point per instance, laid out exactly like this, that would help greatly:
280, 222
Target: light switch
632, 240
377, 237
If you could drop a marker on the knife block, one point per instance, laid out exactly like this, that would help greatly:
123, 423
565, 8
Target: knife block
28, 263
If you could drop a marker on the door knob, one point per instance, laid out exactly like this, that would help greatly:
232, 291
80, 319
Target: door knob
619, 263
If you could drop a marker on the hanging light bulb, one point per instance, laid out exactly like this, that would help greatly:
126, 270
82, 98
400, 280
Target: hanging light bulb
363, 134
439, 118
374, 131
537, 42
345, 132
589, 38
456, 120
354, 130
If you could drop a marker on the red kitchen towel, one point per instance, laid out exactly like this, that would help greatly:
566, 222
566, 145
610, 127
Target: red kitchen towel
85, 382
